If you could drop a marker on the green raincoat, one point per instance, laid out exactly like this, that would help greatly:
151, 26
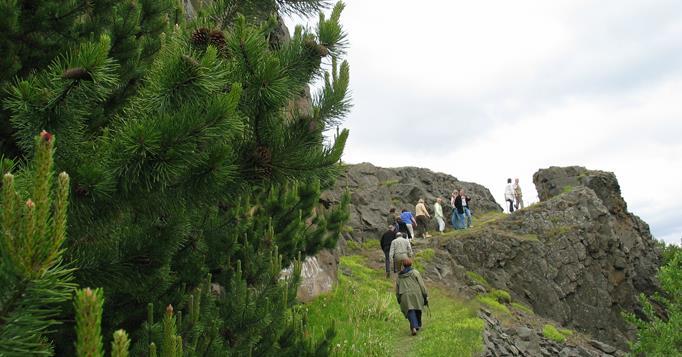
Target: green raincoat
410, 291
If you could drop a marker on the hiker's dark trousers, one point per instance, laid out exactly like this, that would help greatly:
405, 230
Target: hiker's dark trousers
415, 317
388, 261
511, 206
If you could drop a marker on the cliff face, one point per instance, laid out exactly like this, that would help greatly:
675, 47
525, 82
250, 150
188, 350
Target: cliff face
374, 190
577, 257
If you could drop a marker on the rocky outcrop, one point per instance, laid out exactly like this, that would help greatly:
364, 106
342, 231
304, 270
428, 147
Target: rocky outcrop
499, 340
578, 257
374, 190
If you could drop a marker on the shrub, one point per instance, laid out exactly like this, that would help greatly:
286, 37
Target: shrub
661, 336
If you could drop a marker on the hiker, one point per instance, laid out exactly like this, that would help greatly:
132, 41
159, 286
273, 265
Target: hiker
463, 211
392, 219
386, 240
438, 213
409, 221
412, 295
517, 193
509, 195
423, 217
401, 249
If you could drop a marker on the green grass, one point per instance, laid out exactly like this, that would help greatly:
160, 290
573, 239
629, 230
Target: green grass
371, 244
477, 278
567, 189
558, 231
492, 303
522, 307
501, 296
368, 320
389, 183
452, 330
551, 332
423, 256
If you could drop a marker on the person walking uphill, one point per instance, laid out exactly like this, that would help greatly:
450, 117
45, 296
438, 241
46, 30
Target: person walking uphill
412, 295
409, 221
400, 250
386, 240
509, 195
438, 213
423, 217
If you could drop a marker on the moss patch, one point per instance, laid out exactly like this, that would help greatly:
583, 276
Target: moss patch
550, 332
492, 303
501, 296
477, 278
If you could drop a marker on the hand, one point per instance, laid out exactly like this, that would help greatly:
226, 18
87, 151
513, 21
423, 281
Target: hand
426, 300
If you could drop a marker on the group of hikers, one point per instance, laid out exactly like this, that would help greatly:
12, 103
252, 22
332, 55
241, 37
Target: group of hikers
396, 244
408, 223
513, 195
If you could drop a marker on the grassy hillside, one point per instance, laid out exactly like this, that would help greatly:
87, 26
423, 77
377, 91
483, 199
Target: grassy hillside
368, 320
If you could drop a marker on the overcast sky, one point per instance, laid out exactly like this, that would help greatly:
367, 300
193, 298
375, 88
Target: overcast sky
486, 90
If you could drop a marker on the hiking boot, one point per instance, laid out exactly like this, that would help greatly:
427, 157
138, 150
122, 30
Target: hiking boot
414, 331
427, 235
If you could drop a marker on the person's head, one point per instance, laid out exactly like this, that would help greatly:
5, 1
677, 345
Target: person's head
391, 227
508, 180
461, 192
439, 200
454, 193
404, 210
407, 262
398, 235
421, 200
516, 180
392, 210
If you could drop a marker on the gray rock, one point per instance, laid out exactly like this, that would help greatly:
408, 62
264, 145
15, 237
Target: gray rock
374, 190
603, 347
573, 257
524, 333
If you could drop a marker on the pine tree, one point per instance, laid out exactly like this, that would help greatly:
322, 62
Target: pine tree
33, 278
195, 177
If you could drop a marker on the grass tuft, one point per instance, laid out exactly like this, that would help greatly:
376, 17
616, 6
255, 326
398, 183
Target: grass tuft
492, 303
501, 296
477, 278
550, 332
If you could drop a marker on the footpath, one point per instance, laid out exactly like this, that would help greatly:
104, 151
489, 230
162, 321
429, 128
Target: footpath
368, 321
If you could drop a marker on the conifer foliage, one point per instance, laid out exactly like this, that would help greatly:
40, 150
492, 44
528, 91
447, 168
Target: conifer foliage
195, 165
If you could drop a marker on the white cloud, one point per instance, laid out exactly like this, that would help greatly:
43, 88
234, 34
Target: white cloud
490, 89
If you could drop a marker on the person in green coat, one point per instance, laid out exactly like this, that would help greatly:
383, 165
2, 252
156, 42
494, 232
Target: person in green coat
411, 294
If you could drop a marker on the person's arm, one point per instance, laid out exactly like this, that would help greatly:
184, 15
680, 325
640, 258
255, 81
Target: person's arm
391, 250
414, 222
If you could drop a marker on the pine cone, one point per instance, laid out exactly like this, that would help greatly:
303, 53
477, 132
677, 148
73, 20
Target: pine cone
217, 39
78, 74
322, 51
263, 155
200, 36
262, 158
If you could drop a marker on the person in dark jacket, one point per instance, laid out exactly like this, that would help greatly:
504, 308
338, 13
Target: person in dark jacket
386, 240
463, 211
411, 294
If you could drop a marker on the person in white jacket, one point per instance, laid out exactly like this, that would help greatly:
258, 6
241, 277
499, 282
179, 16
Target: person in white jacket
509, 195
400, 249
438, 213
